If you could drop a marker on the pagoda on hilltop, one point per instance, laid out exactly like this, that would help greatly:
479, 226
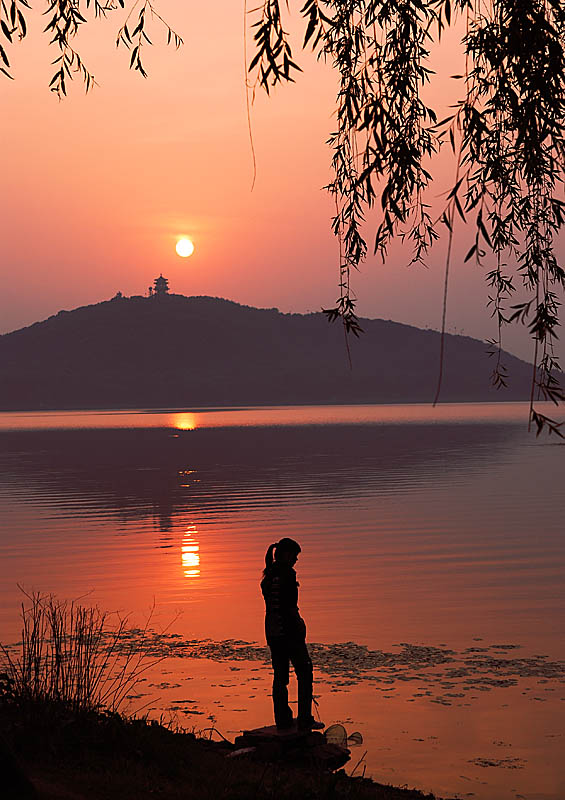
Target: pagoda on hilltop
160, 287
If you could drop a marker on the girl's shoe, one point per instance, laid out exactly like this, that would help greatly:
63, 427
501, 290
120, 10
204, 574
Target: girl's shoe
310, 725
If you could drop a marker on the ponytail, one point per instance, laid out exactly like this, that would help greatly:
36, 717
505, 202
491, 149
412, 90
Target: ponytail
285, 544
269, 558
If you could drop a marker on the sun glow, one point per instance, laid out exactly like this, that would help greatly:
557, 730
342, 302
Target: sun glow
184, 248
183, 421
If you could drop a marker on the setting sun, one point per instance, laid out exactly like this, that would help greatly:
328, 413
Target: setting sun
184, 248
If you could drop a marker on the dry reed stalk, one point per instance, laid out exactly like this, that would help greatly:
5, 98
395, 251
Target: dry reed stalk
73, 654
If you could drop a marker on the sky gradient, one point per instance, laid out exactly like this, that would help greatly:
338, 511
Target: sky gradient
98, 188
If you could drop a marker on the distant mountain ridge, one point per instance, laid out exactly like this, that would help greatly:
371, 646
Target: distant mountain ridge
177, 351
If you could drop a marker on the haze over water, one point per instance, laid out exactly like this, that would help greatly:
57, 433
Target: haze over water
440, 529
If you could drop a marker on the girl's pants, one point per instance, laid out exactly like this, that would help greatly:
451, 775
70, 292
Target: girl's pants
286, 650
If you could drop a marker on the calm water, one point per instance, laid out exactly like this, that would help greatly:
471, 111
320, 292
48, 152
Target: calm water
432, 536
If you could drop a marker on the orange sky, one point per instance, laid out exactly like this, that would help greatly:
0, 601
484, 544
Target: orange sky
97, 188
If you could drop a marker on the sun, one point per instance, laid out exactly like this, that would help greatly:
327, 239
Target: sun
184, 248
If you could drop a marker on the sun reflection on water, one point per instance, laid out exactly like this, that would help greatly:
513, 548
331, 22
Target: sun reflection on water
190, 553
184, 421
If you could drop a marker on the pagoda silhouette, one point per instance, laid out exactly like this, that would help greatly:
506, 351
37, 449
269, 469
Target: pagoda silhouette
160, 287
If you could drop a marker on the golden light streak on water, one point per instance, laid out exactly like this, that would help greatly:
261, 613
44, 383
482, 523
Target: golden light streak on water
190, 553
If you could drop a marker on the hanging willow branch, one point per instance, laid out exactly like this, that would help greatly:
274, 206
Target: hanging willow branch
508, 136
65, 18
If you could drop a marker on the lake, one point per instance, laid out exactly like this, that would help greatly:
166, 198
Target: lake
431, 572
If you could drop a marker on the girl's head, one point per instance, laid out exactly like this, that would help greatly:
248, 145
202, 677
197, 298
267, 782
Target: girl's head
283, 553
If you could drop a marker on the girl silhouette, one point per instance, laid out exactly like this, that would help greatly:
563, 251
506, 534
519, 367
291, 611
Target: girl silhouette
286, 635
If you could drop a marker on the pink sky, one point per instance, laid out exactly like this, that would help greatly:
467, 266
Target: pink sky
97, 188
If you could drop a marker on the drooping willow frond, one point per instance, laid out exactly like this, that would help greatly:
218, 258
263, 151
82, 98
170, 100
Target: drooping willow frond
508, 135
64, 19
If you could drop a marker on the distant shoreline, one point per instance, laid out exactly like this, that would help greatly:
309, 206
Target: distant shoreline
261, 416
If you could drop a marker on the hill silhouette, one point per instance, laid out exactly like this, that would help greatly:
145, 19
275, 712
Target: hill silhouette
178, 351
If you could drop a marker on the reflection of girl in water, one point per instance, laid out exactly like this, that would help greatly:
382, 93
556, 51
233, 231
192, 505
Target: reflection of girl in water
286, 635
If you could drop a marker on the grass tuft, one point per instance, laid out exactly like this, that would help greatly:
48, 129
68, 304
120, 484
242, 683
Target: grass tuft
72, 655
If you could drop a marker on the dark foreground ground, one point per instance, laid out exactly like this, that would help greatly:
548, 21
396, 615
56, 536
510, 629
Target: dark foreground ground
53, 754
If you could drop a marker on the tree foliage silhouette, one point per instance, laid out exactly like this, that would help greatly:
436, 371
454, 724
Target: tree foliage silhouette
64, 19
507, 134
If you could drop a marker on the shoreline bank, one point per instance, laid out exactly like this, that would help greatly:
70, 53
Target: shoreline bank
106, 756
